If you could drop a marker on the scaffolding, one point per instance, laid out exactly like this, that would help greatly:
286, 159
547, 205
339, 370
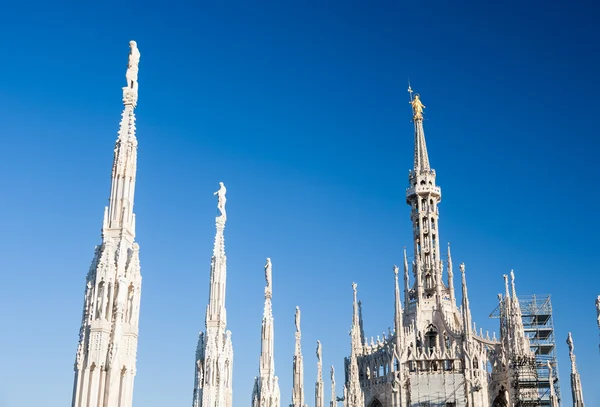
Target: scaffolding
537, 320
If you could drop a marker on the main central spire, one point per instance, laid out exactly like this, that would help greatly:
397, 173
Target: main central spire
423, 195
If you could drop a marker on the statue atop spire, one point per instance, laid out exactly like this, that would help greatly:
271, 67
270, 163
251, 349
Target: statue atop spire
222, 200
130, 92
417, 107
268, 274
598, 311
297, 319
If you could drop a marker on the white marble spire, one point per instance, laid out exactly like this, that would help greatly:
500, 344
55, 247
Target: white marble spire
466, 308
319, 390
214, 365
576, 389
333, 402
266, 385
105, 365
423, 196
398, 321
451, 277
298, 367
354, 395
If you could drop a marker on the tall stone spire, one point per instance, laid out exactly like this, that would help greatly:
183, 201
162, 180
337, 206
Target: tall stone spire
266, 385
214, 364
406, 283
576, 390
451, 277
333, 402
298, 370
398, 322
105, 364
423, 196
353, 396
520, 344
466, 308
319, 390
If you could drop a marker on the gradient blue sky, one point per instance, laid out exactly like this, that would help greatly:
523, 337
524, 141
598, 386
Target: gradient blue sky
301, 109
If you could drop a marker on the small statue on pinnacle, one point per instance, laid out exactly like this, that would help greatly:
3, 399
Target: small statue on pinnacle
319, 351
132, 66
268, 273
222, 200
297, 321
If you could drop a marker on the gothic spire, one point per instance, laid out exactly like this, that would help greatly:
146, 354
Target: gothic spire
398, 323
319, 391
421, 162
353, 396
406, 283
333, 402
298, 368
576, 389
215, 365
105, 370
450, 277
355, 332
467, 322
119, 213
266, 387
423, 196
215, 311
521, 344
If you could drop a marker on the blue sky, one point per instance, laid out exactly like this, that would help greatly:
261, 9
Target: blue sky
301, 109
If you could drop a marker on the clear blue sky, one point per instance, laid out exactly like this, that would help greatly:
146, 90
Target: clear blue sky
301, 109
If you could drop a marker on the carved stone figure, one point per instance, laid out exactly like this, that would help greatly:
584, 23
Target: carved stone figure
417, 107
133, 66
297, 321
222, 199
319, 351
598, 310
268, 273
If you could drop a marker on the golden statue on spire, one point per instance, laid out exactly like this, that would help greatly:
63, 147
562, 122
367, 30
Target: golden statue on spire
417, 107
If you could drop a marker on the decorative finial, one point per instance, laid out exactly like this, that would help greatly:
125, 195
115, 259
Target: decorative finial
222, 200
395, 270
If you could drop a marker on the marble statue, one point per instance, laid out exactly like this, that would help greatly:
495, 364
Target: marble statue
570, 343
598, 310
319, 351
222, 199
417, 107
297, 321
132, 66
268, 273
